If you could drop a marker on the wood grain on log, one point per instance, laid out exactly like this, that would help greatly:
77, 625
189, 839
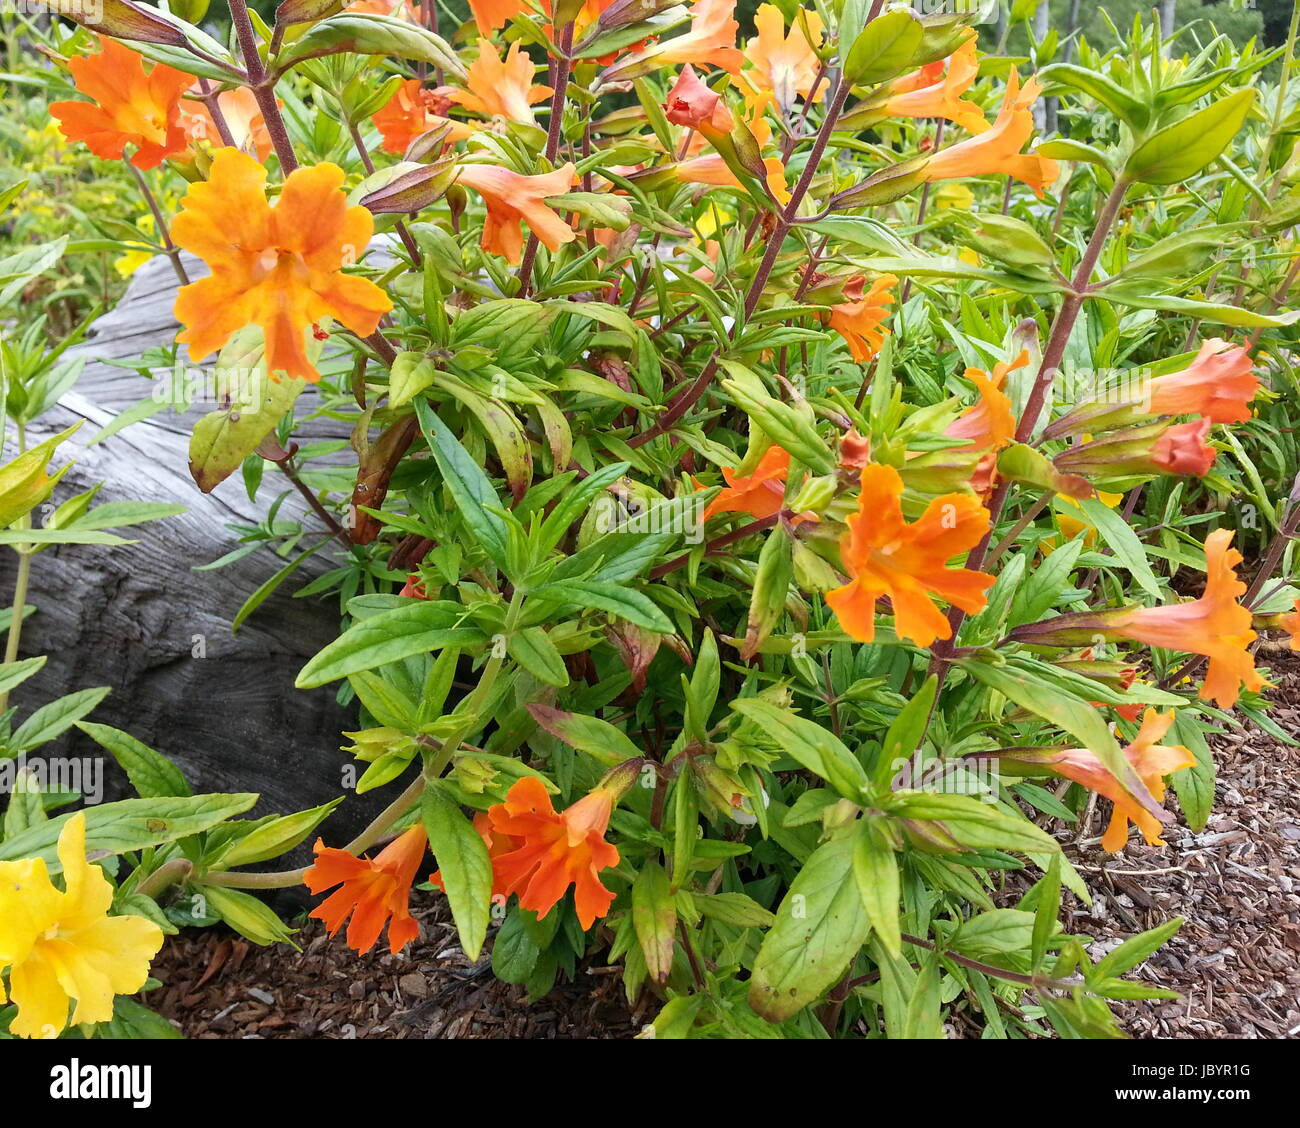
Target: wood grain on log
136, 617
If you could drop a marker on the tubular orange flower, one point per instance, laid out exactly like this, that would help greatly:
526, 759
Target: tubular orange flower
489, 15
713, 120
1219, 384
413, 110
511, 197
711, 40
1290, 622
243, 117
785, 65
557, 849
497, 87
129, 107
1215, 625
61, 946
694, 105
989, 424
937, 93
279, 267
759, 494
373, 892
1182, 449
887, 556
860, 320
997, 149
1153, 763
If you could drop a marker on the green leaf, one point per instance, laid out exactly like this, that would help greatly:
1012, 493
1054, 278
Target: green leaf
13, 674
1181, 150
26, 807
222, 440
817, 749
535, 652
624, 602
272, 838
1123, 542
1110, 94
820, 927
654, 916
151, 773
1194, 786
369, 34
54, 718
974, 823
998, 932
734, 909
470, 489
1070, 713
251, 918
409, 375
1136, 949
1140, 297
130, 824
466, 870
905, 735
599, 739
131, 1021
390, 636
1046, 912
875, 869
884, 48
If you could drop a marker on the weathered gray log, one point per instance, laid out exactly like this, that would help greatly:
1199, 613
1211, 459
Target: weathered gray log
138, 618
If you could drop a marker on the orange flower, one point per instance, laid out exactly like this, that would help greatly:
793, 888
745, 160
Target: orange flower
855, 450
694, 105
128, 107
511, 197
1219, 384
1215, 625
243, 117
556, 850
989, 425
374, 892
497, 87
859, 320
887, 556
689, 104
759, 494
997, 149
497, 845
785, 65
937, 93
1182, 449
711, 40
413, 110
490, 15
414, 587
279, 267
1290, 622
1152, 761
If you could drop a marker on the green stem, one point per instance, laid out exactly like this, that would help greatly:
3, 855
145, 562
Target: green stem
21, 582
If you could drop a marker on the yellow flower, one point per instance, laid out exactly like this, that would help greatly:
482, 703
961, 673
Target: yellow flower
132, 260
61, 946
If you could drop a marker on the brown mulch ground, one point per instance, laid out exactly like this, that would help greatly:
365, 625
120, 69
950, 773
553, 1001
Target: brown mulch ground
218, 985
1236, 962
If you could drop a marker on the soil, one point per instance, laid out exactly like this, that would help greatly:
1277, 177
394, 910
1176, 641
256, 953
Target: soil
1235, 963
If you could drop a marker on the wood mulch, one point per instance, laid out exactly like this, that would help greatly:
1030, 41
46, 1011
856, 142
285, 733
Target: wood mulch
1236, 962
218, 985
